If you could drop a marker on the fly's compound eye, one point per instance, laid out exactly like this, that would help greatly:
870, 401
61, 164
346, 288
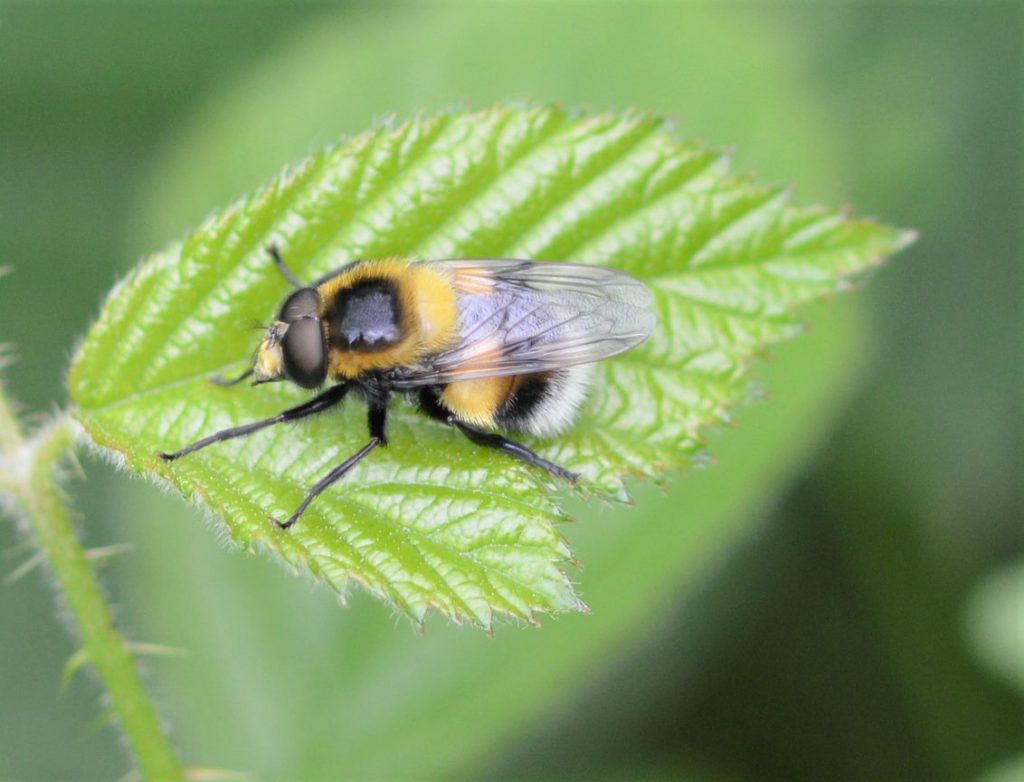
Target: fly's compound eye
304, 303
304, 353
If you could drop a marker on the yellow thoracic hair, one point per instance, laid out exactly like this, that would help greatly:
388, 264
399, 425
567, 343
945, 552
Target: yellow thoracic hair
429, 313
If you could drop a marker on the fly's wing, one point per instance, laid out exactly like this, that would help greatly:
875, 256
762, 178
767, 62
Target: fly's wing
517, 317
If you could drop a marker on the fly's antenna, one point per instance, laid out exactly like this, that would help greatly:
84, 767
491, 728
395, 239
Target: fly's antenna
282, 266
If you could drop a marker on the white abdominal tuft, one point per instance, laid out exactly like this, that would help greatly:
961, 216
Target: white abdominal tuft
557, 409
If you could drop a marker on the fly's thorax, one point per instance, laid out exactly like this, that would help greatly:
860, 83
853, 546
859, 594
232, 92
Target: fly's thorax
366, 317
383, 314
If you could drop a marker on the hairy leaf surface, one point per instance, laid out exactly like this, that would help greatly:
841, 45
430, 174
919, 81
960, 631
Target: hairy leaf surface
433, 521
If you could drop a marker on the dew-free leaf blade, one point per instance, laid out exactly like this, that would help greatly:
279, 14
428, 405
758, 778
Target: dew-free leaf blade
434, 522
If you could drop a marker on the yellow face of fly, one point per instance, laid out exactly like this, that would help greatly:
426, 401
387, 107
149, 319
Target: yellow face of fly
269, 364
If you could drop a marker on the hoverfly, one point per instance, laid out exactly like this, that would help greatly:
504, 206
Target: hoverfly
481, 345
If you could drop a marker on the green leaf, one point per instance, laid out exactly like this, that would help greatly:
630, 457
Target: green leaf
446, 704
435, 522
995, 623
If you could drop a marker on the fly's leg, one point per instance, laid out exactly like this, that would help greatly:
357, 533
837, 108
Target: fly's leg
317, 404
225, 382
289, 275
512, 448
377, 420
430, 405
282, 267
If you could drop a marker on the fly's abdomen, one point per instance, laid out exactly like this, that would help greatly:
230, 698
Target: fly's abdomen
542, 403
545, 404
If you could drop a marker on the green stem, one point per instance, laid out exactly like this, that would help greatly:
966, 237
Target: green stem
37, 493
10, 429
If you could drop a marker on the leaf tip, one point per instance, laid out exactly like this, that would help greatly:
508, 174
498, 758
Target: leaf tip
905, 238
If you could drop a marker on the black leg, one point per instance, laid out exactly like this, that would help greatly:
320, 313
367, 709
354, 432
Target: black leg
282, 266
430, 405
233, 381
512, 448
327, 399
333, 476
377, 418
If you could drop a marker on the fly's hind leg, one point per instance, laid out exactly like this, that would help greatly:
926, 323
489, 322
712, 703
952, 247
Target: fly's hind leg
377, 420
430, 405
512, 448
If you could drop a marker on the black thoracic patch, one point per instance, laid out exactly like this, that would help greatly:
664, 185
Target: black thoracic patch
365, 317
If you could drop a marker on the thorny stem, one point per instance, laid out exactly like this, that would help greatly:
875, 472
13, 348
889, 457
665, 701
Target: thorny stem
27, 474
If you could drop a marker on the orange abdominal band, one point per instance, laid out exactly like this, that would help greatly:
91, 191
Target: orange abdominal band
477, 400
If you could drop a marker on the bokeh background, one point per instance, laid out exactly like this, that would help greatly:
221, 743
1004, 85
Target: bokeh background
840, 597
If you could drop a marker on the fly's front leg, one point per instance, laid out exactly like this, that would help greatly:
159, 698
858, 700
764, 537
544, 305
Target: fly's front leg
317, 404
282, 267
227, 382
377, 421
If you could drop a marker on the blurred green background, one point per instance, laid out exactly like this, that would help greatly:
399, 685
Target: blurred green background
840, 597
